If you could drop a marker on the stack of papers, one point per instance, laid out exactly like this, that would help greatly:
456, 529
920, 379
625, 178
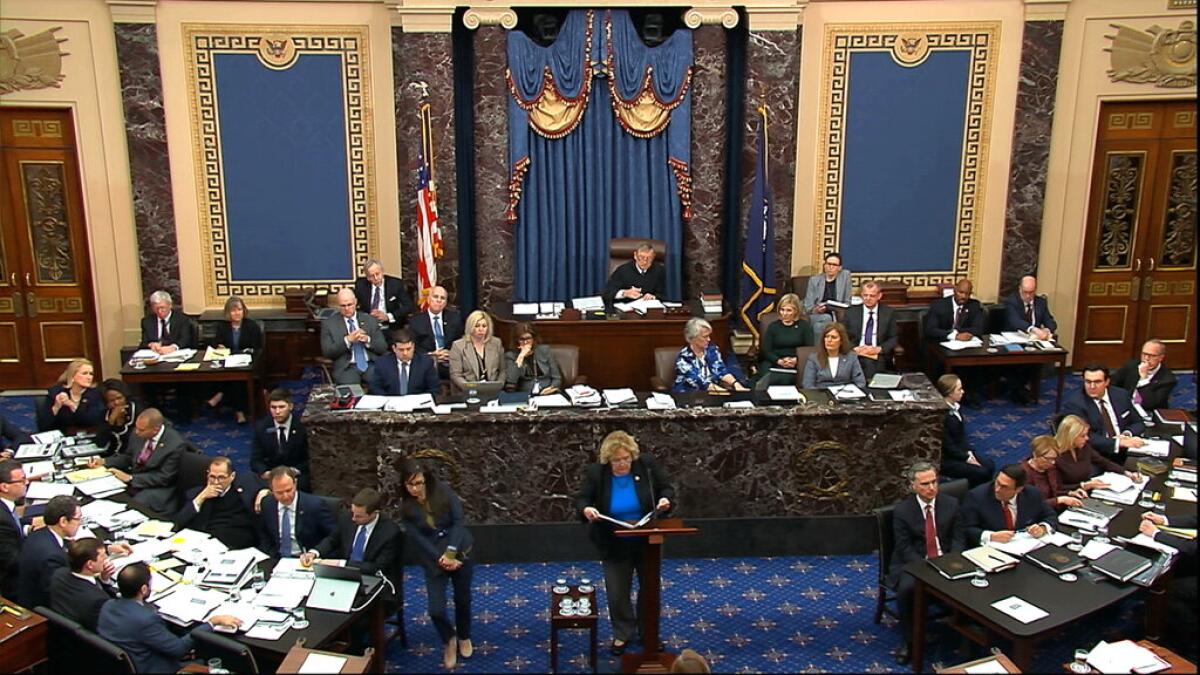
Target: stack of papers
215, 353
102, 487
550, 401
239, 361
847, 392
189, 604
583, 395
43, 490
152, 529
640, 305
1083, 520
956, 345
619, 396
660, 401
593, 303
178, 356
35, 451
407, 403
990, 559
82, 475
1021, 610
1154, 447
143, 355
902, 395
1120, 488
1184, 494
1125, 656
248, 613
370, 402
1095, 549
101, 509
525, 308
784, 392
1020, 544
284, 592
46, 467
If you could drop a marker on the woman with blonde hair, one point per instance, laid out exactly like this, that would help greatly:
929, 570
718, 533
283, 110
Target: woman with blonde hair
624, 485
833, 363
478, 356
74, 404
1042, 472
1078, 461
780, 339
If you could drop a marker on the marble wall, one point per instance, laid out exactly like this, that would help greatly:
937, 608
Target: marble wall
773, 79
423, 71
150, 171
702, 237
494, 245
1040, 48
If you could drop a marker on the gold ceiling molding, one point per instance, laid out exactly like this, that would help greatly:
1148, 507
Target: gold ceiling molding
33, 62
1163, 57
416, 16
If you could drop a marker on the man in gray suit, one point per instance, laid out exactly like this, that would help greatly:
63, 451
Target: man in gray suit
873, 331
833, 285
352, 340
150, 465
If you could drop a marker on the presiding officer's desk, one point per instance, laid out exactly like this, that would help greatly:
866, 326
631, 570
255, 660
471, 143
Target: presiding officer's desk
617, 350
819, 458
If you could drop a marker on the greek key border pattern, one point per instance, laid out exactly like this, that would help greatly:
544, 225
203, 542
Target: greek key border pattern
841, 41
201, 43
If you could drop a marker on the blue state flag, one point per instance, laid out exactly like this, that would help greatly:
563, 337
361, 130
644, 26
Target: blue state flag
758, 269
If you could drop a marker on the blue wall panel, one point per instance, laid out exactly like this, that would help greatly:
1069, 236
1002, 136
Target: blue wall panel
903, 161
283, 147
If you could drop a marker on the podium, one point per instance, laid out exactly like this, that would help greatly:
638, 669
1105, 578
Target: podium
652, 659
352, 665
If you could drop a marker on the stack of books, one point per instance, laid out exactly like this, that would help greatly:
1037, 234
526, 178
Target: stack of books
712, 302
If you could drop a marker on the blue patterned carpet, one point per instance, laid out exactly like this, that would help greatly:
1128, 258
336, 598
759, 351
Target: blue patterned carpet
771, 615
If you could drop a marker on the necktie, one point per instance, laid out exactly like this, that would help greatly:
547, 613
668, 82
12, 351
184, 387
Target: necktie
1008, 516
360, 543
282, 438
147, 450
20, 529
931, 543
285, 533
162, 330
1029, 312
869, 331
438, 337
359, 351
1108, 425
403, 378
375, 298
958, 313
1137, 396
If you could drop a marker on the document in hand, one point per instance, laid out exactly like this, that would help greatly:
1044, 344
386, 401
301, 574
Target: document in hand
1020, 610
1021, 543
629, 526
1154, 447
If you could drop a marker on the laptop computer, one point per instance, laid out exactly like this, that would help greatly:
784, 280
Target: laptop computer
335, 588
485, 390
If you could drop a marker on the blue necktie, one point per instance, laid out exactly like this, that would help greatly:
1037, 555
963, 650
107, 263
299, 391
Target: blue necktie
285, 534
20, 529
359, 351
868, 338
438, 338
360, 543
403, 378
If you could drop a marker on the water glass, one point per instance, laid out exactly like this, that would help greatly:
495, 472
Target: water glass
1076, 541
299, 620
215, 666
1080, 664
980, 579
259, 580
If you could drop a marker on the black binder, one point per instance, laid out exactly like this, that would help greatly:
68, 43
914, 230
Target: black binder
1121, 564
952, 566
1055, 559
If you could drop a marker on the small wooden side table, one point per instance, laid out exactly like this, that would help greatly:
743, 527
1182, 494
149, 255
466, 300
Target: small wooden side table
1178, 663
559, 622
23, 638
999, 657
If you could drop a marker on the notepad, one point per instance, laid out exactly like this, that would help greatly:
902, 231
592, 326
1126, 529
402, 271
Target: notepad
1020, 610
188, 366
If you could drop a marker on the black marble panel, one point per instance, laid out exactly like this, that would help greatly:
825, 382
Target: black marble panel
149, 168
702, 236
494, 243
1040, 48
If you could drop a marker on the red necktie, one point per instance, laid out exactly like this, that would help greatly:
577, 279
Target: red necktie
1008, 516
931, 544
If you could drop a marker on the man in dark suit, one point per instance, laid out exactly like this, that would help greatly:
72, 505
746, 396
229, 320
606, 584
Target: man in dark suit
150, 465
224, 507
12, 533
958, 317
293, 521
404, 371
1147, 379
166, 330
914, 519
280, 440
129, 623
872, 329
1028, 312
44, 552
79, 590
436, 329
352, 340
995, 511
382, 296
638, 278
1115, 425
1182, 594
365, 538
11, 437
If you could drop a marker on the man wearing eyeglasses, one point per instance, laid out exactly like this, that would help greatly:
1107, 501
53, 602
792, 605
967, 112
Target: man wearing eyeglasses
45, 550
224, 507
1147, 379
12, 533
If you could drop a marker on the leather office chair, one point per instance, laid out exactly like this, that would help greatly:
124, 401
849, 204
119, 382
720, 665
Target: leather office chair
664, 368
41, 413
567, 358
100, 655
802, 354
956, 488
193, 470
800, 288
620, 251
235, 656
59, 639
886, 544
994, 320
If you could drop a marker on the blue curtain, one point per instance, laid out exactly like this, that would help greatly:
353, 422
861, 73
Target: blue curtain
596, 180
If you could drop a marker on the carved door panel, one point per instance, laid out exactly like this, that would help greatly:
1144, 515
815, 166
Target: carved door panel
47, 315
1142, 211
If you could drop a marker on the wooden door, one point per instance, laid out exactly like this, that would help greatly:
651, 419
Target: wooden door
1139, 263
47, 313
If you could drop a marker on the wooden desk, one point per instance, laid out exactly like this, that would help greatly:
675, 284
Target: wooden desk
354, 664
617, 351
1178, 663
290, 340
165, 373
1005, 663
980, 356
22, 639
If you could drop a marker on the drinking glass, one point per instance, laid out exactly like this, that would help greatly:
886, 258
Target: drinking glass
979, 580
215, 666
299, 620
1080, 664
1076, 541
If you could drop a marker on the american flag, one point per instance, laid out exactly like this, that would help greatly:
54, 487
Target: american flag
429, 232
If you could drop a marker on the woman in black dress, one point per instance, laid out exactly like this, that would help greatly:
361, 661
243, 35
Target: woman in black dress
239, 334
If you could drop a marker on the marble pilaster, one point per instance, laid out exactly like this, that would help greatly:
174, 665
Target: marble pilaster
149, 168
702, 236
494, 243
1040, 48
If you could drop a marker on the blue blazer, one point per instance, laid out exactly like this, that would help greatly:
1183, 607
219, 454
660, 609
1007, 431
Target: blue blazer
143, 635
313, 522
1079, 403
422, 375
849, 371
41, 555
981, 511
1014, 313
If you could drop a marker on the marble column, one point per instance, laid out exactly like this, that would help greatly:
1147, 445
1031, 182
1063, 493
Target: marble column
494, 243
149, 168
421, 65
1041, 44
773, 78
702, 236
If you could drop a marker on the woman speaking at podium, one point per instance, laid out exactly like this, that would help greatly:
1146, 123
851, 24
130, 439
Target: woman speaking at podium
624, 485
